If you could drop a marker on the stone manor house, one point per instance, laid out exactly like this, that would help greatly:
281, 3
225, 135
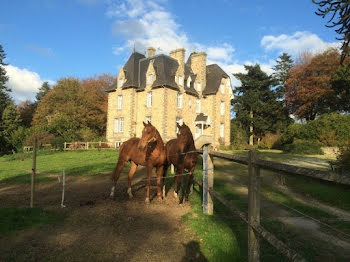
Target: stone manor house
165, 90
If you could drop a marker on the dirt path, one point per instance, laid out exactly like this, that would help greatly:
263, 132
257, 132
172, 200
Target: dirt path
96, 228
304, 229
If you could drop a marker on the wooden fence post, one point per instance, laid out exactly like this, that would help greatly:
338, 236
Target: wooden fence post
208, 181
253, 206
32, 184
65, 145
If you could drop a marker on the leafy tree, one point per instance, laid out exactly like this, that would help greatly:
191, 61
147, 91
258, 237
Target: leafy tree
283, 64
4, 90
72, 106
10, 122
26, 110
341, 86
3, 77
340, 19
256, 105
309, 91
45, 87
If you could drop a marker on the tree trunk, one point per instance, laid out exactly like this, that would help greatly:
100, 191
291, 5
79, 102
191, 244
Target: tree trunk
251, 137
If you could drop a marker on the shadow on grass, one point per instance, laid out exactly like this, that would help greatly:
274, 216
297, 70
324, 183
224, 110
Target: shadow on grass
14, 219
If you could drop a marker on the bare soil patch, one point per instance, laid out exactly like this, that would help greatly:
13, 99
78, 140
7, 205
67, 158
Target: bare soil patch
97, 228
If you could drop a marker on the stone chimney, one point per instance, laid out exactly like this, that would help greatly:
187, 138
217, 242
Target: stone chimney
151, 51
199, 67
179, 55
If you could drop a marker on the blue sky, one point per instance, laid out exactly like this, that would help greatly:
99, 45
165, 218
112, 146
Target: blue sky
46, 40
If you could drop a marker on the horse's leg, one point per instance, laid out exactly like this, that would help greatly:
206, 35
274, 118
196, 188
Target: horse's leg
175, 184
180, 174
149, 175
189, 182
159, 172
116, 173
130, 176
165, 170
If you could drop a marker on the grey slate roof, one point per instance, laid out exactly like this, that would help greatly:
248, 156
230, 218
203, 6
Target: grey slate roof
131, 70
165, 67
214, 76
201, 117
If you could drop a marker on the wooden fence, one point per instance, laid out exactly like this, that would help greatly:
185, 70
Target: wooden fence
255, 230
88, 145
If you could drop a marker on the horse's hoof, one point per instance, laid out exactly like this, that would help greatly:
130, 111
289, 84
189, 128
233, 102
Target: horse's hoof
147, 201
130, 193
175, 195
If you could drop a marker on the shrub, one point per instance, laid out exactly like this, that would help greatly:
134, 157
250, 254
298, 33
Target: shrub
330, 130
270, 140
58, 143
343, 159
303, 147
239, 137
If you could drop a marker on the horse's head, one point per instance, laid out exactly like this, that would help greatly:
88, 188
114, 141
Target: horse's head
149, 135
184, 137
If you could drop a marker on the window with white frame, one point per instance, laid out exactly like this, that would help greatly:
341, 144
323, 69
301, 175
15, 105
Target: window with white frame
148, 119
116, 125
121, 125
199, 86
222, 130
180, 80
222, 88
149, 99
179, 100
222, 108
189, 81
149, 79
179, 121
120, 102
120, 82
198, 106
117, 144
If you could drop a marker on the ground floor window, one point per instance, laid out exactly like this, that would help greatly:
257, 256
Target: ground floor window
117, 144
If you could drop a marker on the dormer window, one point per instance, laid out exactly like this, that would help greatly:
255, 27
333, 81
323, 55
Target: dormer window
199, 86
222, 88
121, 82
189, 81
149, 79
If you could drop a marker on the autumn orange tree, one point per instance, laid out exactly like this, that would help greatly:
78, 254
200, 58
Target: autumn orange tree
309, 91
75, 109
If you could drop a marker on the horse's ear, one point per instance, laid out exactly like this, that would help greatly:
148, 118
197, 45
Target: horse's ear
144, 124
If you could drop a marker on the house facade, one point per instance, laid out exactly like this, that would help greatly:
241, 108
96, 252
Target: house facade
166, 90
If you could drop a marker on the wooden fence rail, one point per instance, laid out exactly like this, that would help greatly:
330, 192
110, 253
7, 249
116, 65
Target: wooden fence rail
255, 230
329, 176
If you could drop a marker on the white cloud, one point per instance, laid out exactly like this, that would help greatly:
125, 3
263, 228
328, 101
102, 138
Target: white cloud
23, 83
297, 43
147, 23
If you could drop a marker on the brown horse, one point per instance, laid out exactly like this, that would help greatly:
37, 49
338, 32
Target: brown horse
145, 151
181, 153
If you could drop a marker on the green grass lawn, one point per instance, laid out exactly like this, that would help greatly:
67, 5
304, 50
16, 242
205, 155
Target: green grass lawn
17, 168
